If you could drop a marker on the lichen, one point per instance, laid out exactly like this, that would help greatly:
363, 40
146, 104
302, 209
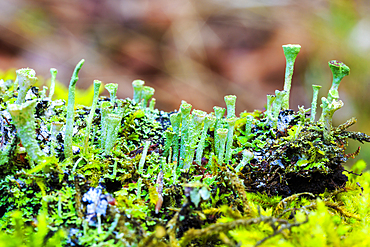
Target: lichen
183, 178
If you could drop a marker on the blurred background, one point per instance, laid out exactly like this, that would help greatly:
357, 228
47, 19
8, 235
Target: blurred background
198, 51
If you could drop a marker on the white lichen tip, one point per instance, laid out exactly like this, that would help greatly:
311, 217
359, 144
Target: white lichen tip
15, 109
222, 133
25, 78
294, 47
138, 83
112, 87
185, 108
230, 99
210, 119
26, 72
147, 92
199, 115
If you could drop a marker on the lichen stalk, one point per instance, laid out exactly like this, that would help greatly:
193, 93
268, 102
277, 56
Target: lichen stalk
143, 157
219, 113
339, 70
269, 110
141, 167
146, 93
138, 87
230, 101
97, 84
53, 73
185, 109
168, 142
112, 89
208, 122
113, 121
152, 104
315, 94
222, 133
105, 108
68, 151
24, 121
194, 133
230, 127
26, 78
278, 103
290, 52
247, 156
327, 114
175, 123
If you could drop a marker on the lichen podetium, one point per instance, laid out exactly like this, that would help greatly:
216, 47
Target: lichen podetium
152, 178
25, 78
290, 52
70, 111
24, 120
97, 84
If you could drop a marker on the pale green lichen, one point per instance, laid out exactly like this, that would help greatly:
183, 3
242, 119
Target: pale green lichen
222, 134
53, 73
339, 70
152, 104
328, 109
230, 101
143, 157
26, 78
138, 87
175, 123
68, 151
112, 89
169, 134
278, 103
24, 120
230, 127
315, 89
209, 121
113, 121
219, 113
194, 131
290, 52
105, 108
185, 109
141, 167
97, 84
273, 162
146, 93
247, 157
332, 102
269, 109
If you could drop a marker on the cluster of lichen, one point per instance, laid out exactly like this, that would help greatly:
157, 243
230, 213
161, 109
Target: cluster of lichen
121, 173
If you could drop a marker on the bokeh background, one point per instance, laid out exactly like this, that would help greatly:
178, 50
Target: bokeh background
197, 51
